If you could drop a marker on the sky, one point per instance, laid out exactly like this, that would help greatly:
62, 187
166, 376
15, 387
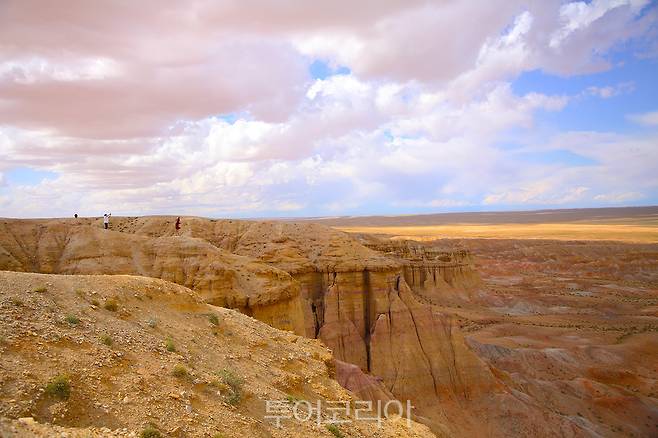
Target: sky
284, 108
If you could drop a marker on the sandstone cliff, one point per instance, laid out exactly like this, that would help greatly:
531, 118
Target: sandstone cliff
155, 359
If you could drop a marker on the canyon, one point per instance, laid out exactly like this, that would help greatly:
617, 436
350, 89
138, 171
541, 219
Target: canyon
480, 335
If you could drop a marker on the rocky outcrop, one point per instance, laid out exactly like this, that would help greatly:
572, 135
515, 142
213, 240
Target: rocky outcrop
436, 274
221, 278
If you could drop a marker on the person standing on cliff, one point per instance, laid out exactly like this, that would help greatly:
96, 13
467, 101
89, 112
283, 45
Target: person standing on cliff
178, 223
106, 220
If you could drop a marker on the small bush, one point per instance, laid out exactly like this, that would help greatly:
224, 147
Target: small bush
111, 304
234, 383
214, 320
335, 430
17, 301
152, 322
59, 387
72, 319
95, 303
180, 372
169, 344
41, 289
107, 340
150, 432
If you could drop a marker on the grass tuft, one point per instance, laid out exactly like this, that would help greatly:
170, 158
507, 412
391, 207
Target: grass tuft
107, 340
234, 383
72, 319
150, 432
180, 372
214, 320
335, 430
59, 387
292, 398
169, 345
111, 304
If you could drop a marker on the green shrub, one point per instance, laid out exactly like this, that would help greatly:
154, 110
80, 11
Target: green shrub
335, 430
107, 340
180, 372
150, 432
41, 289
214, 320
111, 304
169, 344
234, 382
59, 387
72, 319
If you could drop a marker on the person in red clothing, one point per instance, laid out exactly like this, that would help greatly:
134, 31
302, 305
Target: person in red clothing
178, 223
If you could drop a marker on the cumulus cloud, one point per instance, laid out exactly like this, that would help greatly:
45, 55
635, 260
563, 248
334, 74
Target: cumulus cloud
208, 107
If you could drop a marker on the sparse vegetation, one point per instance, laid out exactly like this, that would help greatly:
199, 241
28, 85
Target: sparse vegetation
152, 322
335, 430
59, 387
169, 345
180, 372
234, 383
111, 304
107, 340
150, 432
17, 301
41, 289
214, 320
290, 398
95, 303
72, 319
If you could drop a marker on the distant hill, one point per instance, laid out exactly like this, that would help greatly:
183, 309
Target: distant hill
619, 215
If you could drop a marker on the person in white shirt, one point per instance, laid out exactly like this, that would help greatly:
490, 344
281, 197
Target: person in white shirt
106, 220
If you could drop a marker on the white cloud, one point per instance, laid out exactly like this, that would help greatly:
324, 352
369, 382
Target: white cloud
647, 119
609, 91
579, 15
616, 198
129, 116
541, 192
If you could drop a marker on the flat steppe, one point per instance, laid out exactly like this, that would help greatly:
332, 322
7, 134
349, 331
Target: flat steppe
627, 224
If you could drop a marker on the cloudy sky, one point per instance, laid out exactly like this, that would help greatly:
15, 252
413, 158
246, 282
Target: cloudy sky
250, 108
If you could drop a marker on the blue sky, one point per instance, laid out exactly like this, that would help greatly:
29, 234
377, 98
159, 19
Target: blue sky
388, 110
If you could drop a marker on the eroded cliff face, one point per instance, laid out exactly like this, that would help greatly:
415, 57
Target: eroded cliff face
220, 277
436, 275
371, 304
